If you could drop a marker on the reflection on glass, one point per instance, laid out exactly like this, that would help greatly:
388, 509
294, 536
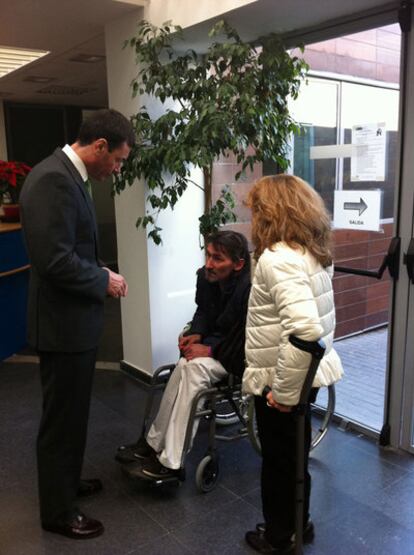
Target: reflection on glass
316, 110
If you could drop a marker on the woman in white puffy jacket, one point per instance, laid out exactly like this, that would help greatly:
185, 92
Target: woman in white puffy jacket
291, 294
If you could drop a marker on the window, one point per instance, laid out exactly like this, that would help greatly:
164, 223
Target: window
327, 111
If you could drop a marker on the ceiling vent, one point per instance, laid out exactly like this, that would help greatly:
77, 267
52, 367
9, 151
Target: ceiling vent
87, 58
63, 90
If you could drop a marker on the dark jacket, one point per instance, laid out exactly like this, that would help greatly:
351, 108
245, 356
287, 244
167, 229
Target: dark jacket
67, 285
220, 318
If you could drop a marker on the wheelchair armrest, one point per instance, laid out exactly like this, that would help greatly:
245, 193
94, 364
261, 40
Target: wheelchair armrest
162, 374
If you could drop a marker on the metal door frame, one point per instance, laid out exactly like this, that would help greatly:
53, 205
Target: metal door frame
401, 383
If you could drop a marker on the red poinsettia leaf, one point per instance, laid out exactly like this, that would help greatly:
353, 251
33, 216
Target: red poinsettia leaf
10, 171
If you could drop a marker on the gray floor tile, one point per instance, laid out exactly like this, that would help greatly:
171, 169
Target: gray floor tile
167, 545
362, 497
222, 532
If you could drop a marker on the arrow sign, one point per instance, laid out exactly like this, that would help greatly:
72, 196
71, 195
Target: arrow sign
361, 206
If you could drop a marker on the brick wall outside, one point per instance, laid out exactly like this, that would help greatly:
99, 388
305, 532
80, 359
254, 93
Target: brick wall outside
361, 302
373, 54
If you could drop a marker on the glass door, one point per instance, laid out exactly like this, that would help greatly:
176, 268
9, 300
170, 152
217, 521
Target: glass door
345, 93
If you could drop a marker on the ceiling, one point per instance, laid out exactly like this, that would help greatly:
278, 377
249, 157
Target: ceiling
68, 28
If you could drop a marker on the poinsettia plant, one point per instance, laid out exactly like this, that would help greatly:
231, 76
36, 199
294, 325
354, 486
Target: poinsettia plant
12, 176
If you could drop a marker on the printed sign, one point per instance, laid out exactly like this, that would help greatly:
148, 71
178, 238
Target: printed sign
368, 152
357, 210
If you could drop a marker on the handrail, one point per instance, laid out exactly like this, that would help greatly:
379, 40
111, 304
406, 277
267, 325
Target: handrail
15, 271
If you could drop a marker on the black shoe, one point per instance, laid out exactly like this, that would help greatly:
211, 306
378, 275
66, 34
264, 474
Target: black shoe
134, 451
259, 543
152, 469
308, 532
76, 526
89, 487
155, 470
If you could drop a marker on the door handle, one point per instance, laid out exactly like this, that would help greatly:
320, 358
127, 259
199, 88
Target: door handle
391, 261
409, 260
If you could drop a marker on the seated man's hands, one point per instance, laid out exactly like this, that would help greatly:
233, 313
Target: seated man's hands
186, 340
195, 350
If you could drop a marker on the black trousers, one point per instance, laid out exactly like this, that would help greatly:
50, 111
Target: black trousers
277, 433
66, 384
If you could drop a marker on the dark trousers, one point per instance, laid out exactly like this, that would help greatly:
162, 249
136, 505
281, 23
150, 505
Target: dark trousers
277, 433
66, 384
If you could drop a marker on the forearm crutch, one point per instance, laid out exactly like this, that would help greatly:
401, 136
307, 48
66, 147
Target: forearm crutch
317, 350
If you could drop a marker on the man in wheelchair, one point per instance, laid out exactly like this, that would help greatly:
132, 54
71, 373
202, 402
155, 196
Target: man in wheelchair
212, 347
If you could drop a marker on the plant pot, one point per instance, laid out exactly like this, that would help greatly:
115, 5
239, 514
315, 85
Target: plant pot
11, 213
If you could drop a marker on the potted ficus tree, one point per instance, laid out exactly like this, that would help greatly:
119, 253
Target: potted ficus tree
233, 98
12, 176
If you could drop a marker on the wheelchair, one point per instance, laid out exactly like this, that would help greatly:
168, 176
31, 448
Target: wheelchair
322, 412
224, 405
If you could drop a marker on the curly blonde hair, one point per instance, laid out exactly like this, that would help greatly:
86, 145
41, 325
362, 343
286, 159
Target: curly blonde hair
286, 208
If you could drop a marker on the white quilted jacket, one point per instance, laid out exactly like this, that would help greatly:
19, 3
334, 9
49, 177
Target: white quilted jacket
291, 294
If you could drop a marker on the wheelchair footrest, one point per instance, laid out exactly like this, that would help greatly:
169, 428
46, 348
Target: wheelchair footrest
136, 472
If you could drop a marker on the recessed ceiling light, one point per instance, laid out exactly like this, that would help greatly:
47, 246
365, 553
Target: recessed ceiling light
87, 58
14, 58
38, 79
66, 90
134, 2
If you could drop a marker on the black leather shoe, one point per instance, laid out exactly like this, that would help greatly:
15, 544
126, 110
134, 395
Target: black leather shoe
259, 543
89, 487
151, 469
134, 451
154, 470
76, 526
308, 532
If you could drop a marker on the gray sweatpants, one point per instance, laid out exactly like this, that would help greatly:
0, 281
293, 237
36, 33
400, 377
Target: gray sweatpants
167, 433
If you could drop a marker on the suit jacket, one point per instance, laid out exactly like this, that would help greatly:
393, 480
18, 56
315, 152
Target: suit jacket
67, 285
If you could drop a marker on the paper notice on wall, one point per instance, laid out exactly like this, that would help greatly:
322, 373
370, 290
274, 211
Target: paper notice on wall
368, 152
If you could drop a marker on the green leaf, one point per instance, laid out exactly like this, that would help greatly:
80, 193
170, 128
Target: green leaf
226, 100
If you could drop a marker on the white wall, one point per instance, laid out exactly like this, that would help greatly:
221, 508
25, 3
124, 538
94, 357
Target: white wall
188, 12
132, 244
161, 279
172, 272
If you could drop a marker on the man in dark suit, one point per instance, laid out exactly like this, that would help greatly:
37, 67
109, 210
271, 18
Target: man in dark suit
68, 286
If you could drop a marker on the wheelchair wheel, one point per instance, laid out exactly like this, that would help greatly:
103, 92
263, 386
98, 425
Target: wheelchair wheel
225, 414
207, 473
322, 412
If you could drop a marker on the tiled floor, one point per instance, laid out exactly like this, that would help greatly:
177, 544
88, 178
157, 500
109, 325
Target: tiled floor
362, 503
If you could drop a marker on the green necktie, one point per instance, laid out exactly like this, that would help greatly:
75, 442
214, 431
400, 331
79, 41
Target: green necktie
88, 186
